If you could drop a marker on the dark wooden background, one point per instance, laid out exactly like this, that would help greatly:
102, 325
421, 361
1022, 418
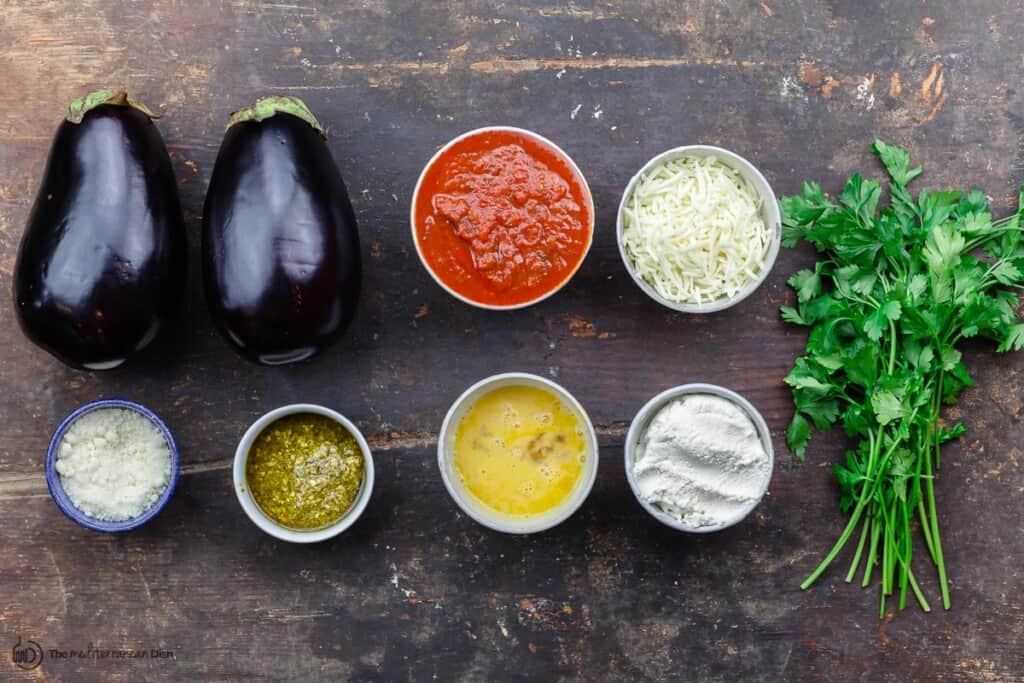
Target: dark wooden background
416, 590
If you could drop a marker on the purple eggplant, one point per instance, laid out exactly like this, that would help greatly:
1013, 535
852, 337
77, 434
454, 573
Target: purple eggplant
101, 268
281, 263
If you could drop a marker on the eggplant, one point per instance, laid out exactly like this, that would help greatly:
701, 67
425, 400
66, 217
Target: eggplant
101, 267
281, 263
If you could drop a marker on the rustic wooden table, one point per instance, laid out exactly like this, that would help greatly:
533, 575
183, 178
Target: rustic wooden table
416, 590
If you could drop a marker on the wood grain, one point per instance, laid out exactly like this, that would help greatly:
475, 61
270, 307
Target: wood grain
416, 590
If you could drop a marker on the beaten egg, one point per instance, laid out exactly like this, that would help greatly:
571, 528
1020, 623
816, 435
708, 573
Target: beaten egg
520, 451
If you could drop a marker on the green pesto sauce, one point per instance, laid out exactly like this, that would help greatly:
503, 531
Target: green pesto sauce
304, 470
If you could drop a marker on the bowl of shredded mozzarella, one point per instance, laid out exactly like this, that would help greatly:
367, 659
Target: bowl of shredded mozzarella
698, 228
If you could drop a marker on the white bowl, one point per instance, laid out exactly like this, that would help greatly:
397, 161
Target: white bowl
544, 141
474, 508
260, 518
643, 419
769, 214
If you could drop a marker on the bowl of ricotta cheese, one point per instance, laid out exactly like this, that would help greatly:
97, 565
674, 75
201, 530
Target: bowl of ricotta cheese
699, 457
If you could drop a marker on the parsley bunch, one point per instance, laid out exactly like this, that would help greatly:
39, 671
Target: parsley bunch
895, 292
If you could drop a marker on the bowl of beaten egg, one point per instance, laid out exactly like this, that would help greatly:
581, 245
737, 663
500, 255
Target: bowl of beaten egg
517, 453
698, 228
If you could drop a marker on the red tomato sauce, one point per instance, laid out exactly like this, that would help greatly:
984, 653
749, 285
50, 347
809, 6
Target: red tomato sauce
502, 218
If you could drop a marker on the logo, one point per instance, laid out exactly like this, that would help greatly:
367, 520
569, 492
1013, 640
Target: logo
27, 656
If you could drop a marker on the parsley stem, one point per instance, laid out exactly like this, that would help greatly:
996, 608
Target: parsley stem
889, 549
888, 554
872, 480
925, 526
892, 346
917, 591
1004, 225
852, 524
907, 550
907, 574
860, 548
939, 561
876, 531
925, 454
843, 538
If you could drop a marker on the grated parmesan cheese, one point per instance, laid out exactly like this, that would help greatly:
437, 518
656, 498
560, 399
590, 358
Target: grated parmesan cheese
113, 463
693, 230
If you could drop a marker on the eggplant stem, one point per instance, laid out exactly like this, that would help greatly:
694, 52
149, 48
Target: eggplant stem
266, 107
97, 98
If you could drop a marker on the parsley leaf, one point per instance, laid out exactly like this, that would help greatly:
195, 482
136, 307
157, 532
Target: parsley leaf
945, 434
942, 250
1014, 340
861, 196
798, 434
876, 323
1006, 273
807, 284
887, 407
791, 315
896, 162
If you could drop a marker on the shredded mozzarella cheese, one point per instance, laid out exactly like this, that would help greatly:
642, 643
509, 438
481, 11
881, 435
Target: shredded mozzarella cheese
693, 230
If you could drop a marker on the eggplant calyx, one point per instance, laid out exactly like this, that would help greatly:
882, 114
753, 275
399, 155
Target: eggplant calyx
118, 98
266, 107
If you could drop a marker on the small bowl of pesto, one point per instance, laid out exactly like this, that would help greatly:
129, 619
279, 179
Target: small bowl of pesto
303, 473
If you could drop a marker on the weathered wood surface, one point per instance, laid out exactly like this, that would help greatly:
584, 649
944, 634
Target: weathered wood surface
416, 590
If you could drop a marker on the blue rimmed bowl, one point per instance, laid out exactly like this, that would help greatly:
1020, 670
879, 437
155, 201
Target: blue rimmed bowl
60, 496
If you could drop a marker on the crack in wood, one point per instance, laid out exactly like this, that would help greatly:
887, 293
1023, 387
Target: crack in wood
509, 65
22, 486
505, 65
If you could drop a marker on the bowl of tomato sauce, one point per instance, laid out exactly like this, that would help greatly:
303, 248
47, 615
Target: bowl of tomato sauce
502, 217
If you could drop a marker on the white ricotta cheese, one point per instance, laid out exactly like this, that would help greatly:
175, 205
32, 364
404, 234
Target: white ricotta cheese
113, 463
701, 460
